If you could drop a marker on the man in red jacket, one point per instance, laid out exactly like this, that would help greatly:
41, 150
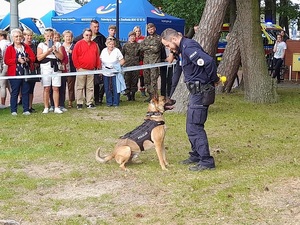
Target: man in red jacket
86, 56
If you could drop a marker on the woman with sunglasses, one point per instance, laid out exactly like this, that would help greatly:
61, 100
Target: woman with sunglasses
111, 58
48, 53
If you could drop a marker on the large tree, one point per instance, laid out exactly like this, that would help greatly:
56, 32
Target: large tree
208, 36
259, 86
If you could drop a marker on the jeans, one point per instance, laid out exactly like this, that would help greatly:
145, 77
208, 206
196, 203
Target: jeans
110, 87
16, 85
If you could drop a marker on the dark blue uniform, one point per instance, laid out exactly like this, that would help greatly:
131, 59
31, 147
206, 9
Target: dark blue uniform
197, 66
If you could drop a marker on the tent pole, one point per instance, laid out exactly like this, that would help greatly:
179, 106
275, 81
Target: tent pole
14, 14
117, 19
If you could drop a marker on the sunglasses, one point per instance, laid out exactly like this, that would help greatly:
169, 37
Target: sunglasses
48, 29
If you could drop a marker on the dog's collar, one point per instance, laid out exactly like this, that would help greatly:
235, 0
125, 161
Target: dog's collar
154, 114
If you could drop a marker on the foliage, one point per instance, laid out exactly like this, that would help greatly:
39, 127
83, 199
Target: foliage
48, 174
290, 10
38, 38
191, 10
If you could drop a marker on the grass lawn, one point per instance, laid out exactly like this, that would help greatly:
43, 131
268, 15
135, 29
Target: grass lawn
49, 174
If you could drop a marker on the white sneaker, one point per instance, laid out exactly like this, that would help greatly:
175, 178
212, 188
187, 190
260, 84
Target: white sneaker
57, 110
27, 113
51, 109
2, 106
14, 113
63, 109
46, 110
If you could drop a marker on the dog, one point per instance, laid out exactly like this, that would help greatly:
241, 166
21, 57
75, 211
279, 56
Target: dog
151, 133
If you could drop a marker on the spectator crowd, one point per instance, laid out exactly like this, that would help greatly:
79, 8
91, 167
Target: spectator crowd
63, 53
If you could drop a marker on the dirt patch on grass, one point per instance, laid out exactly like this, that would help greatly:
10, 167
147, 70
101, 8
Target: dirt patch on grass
50, 170
281, 201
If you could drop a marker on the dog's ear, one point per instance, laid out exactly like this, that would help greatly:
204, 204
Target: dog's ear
155, 95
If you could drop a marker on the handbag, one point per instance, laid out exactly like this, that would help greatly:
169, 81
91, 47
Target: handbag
61, 66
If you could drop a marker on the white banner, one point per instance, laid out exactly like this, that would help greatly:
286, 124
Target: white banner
65, 6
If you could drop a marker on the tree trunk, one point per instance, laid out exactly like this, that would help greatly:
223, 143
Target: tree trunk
259, 86
210, 25
208, 36
231, 60
232, 15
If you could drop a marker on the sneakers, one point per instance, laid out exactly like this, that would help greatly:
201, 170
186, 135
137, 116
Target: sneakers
91, 106
199, 167
46, 110
57, 110
14, 113
2, 106
79, 106
187, 161
51, 109
31, 110
27, 113
63, 109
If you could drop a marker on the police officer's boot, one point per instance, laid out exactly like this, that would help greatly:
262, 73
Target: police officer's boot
148, 99
129, 98
143, 92
132, 96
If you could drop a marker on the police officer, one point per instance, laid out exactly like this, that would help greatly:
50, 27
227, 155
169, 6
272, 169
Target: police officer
200, 74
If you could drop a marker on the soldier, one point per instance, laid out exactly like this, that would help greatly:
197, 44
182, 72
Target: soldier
151, 47
131, 55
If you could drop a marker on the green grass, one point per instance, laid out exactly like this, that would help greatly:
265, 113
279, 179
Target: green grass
49, 175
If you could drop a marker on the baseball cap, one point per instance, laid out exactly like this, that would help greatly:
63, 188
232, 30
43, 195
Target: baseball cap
131, 33
149, 25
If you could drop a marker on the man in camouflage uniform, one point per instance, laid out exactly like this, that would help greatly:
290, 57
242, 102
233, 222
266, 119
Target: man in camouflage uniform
131, 53
151, 47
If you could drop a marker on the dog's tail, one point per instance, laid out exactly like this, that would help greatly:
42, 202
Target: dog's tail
102, 159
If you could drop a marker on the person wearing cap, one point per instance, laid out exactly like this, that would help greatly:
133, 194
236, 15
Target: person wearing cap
4, 42
131, 53
151, 48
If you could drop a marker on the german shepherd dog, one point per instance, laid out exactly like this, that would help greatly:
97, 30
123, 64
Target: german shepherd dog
150, 133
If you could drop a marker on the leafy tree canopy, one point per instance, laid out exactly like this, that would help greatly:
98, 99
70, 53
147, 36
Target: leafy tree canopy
191, 10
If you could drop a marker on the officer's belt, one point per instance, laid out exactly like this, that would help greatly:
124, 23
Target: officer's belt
197, 87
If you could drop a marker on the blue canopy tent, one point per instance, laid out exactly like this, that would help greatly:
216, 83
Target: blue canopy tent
25, 23
46, 19
131, 13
